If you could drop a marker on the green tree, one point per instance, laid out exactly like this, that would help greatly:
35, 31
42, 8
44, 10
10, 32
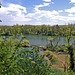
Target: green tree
71, 53
50, 39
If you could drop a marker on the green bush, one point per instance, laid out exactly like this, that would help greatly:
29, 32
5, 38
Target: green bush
25, 42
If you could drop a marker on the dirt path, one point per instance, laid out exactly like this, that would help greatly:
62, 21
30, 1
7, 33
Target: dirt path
60, 60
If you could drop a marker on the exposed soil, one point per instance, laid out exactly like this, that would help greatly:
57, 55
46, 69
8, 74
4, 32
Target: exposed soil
62, 60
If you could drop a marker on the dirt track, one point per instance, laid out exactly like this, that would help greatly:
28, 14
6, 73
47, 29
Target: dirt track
60, 60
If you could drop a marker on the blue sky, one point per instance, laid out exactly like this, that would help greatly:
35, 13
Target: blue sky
37, 12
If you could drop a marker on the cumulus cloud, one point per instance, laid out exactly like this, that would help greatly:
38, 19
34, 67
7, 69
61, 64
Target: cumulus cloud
41, 5
42, 13
72, 1
55, 12
70, 14
71, 10
51, 17
47, 0
15, 11
60, 11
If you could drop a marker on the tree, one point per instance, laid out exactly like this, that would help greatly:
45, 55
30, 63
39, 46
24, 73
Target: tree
69, 33
71, 53
50, 39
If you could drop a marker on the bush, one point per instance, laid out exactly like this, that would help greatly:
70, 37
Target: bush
25, 42
15, 60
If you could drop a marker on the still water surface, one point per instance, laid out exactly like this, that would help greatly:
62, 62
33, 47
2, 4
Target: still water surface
42, 40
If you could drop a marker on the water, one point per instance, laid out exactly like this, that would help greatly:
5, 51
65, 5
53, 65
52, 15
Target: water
42, 40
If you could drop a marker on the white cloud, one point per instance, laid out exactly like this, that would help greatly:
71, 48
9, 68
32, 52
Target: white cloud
70, 14
3, 10
20, 19
52, 3
71, 10
47, 0
72, 1
38, 15
50, 17
55, 12
42, 13
15, 11
18, 13
41, 5
60, 11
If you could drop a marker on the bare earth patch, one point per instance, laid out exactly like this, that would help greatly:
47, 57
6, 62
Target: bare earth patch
62, 59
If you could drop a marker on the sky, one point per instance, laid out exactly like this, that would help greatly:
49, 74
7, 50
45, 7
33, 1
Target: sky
37, 12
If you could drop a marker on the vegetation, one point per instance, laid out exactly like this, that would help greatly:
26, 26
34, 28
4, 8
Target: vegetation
24, 42
56, 30
71, 52
16, 60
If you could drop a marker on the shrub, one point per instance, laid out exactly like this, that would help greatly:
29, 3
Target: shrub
25, 42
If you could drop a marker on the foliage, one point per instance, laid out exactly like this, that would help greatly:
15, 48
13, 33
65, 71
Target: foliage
71, 52
51, 57
8, 56
50, 39
48, 30
16, 60
24, 42
61, 48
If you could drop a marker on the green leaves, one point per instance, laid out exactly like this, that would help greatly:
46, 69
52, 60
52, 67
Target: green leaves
16, 60
7, 55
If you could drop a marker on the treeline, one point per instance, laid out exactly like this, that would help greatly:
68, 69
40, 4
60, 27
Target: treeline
47, 30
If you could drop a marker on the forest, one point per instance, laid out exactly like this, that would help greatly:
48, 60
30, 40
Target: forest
47, 30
